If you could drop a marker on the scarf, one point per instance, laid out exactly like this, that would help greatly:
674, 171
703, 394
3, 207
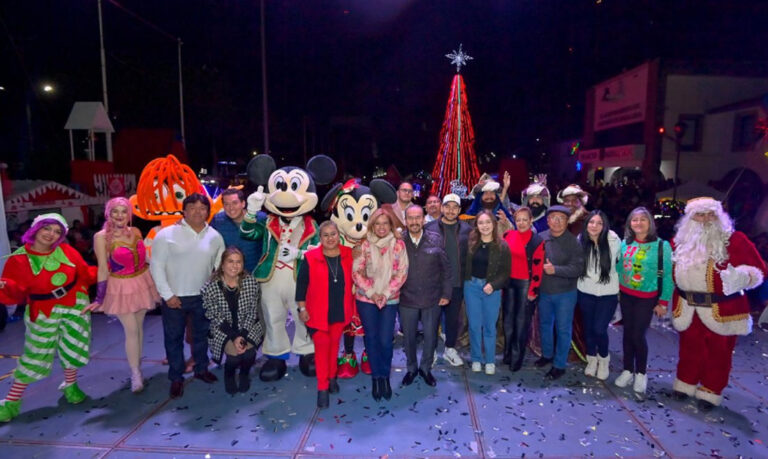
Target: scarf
380, 267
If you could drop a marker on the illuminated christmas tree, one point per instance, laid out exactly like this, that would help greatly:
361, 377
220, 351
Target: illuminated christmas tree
456, 168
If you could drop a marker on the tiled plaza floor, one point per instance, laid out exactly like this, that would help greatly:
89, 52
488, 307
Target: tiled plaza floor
466, 415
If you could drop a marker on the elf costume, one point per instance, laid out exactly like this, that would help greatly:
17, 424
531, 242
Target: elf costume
55, 287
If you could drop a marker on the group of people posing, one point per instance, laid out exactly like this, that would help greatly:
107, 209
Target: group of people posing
229, 286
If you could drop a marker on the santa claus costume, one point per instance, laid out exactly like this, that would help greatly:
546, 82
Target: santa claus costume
713, 266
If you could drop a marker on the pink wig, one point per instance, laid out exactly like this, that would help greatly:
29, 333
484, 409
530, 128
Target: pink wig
109, 227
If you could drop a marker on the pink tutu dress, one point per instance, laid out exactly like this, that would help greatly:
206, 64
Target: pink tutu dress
130, 287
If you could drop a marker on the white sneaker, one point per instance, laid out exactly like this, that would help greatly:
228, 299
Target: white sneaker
603, 367
641, 383
490, 368
477, 367
137, 382
591, 369
451, 356
624, 378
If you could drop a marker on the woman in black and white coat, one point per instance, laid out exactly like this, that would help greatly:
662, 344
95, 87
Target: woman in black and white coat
231, 301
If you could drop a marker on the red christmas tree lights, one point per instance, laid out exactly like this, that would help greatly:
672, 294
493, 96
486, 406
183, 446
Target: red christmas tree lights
456, 161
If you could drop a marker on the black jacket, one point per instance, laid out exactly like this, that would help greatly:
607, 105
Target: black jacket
463, 229
499, 265
429, 276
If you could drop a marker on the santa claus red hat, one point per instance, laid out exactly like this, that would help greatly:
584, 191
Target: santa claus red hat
703, 204
571, 190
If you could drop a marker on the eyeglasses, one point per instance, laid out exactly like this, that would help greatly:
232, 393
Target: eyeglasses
406, 190
556, 218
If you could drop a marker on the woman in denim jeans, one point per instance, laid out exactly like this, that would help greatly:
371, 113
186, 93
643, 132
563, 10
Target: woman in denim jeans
485, 274
378, 273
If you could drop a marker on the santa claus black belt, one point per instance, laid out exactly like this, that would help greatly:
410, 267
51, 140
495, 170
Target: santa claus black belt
704, 299
55, 293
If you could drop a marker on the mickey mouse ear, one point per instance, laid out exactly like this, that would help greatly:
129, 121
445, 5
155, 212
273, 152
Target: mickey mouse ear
260, 168
322, 168
384, 192
329, 198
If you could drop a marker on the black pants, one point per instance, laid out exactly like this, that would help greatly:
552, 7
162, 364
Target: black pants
409, 318
636, 315
451, 311
518, 312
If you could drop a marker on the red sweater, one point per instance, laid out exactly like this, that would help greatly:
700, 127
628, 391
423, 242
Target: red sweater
21, 281
317, 290
517, 242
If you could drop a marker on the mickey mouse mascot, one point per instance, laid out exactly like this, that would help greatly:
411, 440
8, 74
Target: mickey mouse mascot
351, 205
287, 231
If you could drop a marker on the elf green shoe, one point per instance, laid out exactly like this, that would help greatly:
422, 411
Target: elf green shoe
9, 410
72, 393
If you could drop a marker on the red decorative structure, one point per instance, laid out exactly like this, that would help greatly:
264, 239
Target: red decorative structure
456, 161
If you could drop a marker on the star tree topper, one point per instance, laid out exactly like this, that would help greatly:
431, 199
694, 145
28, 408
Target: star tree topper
459, 58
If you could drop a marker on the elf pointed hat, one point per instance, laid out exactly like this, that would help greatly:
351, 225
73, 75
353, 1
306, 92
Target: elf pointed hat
537, 188
571, 190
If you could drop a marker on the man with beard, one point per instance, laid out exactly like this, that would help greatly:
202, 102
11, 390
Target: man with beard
491, 201
455, 236
574, 198
536, 197
404, 199
713, 266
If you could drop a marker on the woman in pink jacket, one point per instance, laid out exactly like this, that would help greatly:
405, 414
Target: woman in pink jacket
378, 273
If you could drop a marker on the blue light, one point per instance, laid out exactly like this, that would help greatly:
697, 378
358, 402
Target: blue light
578, 166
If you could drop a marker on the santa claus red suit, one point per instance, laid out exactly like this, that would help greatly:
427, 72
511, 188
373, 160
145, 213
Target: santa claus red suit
714, 265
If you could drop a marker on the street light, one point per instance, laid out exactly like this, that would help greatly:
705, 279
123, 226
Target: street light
48, 89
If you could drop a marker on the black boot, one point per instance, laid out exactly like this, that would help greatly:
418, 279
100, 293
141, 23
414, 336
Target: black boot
247, 362
323, 399
386, 389
333, 386
376, 389
230, 366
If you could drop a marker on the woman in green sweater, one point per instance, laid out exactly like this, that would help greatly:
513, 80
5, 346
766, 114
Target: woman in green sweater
645, 287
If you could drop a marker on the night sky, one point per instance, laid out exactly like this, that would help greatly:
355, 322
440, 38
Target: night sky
350, 73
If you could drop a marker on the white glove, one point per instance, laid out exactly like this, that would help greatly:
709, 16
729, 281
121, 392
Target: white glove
256, 201
734, 280
287, 253
762, 322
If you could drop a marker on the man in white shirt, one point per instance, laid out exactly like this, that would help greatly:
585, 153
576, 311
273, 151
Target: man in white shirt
183, 257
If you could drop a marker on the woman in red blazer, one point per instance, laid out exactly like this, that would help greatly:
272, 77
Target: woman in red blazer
326, 304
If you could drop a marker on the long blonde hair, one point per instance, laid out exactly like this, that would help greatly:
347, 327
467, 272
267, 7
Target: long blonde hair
218, 275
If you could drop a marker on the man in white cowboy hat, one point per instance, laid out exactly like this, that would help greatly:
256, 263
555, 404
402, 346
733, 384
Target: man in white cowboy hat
536, 197
575, 199
491, 198
713, 266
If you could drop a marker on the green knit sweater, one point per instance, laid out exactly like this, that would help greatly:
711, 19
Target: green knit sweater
638, 270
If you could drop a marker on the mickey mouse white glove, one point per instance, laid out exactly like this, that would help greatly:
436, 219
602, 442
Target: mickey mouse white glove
256, 201
287, 253
734, 279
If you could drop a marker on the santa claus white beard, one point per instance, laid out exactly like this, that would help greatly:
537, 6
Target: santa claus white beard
578, 214
697, 243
